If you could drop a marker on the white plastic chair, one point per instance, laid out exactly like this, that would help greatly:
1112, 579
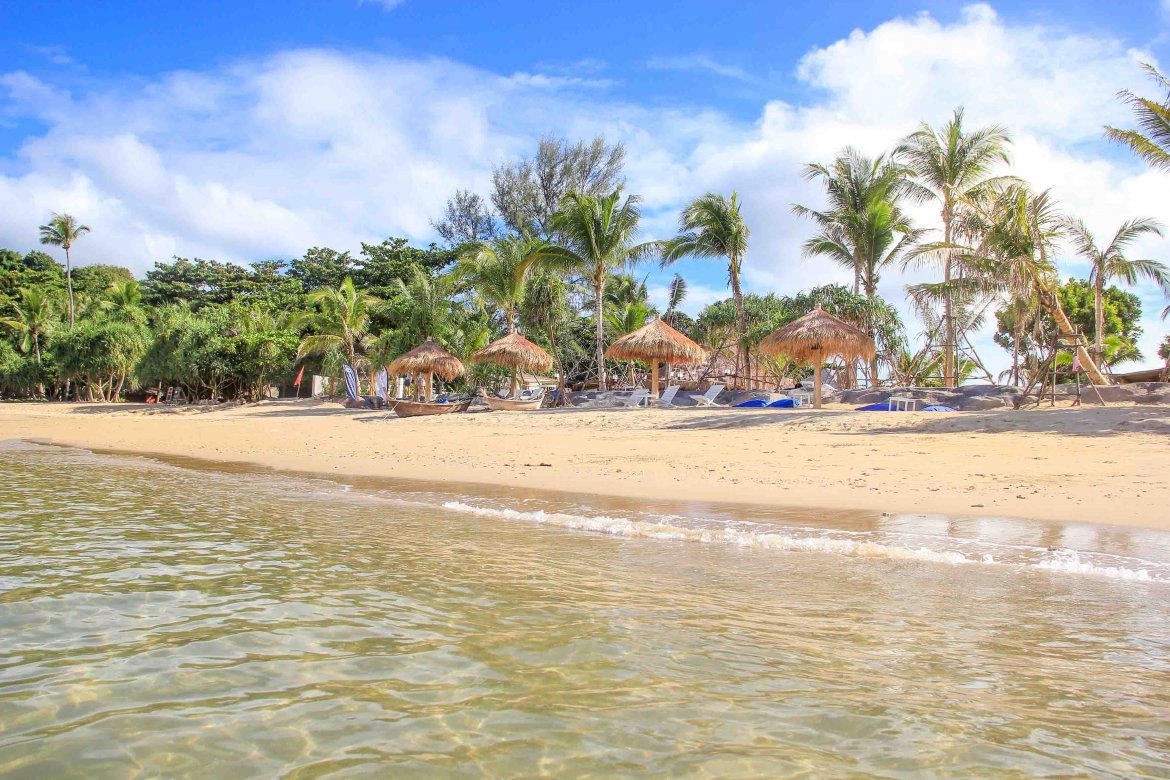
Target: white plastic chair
708, 398
667, 398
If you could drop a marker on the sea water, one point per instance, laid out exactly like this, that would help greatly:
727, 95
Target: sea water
160, 620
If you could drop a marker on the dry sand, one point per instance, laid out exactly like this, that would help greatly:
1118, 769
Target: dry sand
1102, 465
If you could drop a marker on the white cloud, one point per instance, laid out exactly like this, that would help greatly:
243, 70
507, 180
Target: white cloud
701, 63
386, 5
266, 157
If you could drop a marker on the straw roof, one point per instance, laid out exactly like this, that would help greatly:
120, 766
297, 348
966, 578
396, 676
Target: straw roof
514, 351
816, 335
657, 341
428, 358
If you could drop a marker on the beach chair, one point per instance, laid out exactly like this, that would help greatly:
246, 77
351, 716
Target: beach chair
708, 398
667, 399
636, 398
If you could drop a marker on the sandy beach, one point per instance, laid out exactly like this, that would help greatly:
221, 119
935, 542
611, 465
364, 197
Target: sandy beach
1100, 465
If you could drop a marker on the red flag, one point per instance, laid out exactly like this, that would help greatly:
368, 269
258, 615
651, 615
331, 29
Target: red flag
300, 375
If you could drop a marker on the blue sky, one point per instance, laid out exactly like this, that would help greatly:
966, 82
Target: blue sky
250, 130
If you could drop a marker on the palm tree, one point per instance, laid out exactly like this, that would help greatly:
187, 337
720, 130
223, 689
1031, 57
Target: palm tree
953, 165
1019, 231
340, 321
712, 226
34, 315
597, 235
497, 271
546, 306
1111, 263
675, 295
125, 298
863, 228
62, 230
1152, 142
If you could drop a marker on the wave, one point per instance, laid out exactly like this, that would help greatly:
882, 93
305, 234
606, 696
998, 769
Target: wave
814, 540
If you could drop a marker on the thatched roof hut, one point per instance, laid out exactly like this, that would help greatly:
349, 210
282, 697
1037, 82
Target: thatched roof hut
814, 337
515, 352
428, 358
654, 343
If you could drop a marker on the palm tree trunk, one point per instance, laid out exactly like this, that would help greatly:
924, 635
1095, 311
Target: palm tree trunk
740, 320
69, 283
948, 316
598, 291
562, 390
1099, 316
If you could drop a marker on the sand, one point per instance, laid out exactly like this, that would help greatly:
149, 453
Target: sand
1101, 465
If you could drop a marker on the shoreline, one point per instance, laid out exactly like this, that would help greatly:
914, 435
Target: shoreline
1105, 466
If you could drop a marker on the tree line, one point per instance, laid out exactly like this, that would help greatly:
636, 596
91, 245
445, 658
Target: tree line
554, 249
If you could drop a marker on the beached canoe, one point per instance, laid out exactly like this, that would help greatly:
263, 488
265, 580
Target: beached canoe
514, 404
420, 409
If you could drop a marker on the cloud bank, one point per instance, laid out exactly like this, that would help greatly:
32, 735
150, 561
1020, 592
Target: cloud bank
266, 157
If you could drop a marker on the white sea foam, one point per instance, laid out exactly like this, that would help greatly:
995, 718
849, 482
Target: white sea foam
1070, 561
842, 543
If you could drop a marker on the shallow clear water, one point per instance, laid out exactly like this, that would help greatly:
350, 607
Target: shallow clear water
159, 620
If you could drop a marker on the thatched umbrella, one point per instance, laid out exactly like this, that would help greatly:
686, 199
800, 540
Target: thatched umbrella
814, 337
515, 352
427, 358
656, 343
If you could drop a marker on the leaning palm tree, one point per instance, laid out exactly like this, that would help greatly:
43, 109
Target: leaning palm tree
596, 235
62, 230
1110, 263
1015, 252
711, 226
953, 165
340, 321
1152, 141
498, 269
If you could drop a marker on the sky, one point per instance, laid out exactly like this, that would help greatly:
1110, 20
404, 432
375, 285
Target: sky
248, 131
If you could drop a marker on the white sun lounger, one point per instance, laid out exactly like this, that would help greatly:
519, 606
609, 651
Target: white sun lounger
636, 398
667, 398
708, 398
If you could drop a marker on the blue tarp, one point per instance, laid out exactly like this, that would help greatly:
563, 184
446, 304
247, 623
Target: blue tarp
760, 403
884, 406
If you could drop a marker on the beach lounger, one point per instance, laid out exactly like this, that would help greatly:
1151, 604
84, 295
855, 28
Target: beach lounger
667, 398
636, 398
708, 398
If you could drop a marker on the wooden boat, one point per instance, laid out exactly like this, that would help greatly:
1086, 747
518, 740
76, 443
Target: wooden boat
514, 404
421, 409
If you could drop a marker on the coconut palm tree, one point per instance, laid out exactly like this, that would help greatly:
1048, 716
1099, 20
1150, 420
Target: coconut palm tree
33, 317
676, 293
62, 230
1152, 142
340, 321
711, 226
498, 269
1019, 229
596, 235
125, 299
1110, 263
863, 228
953, 164
546, 307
